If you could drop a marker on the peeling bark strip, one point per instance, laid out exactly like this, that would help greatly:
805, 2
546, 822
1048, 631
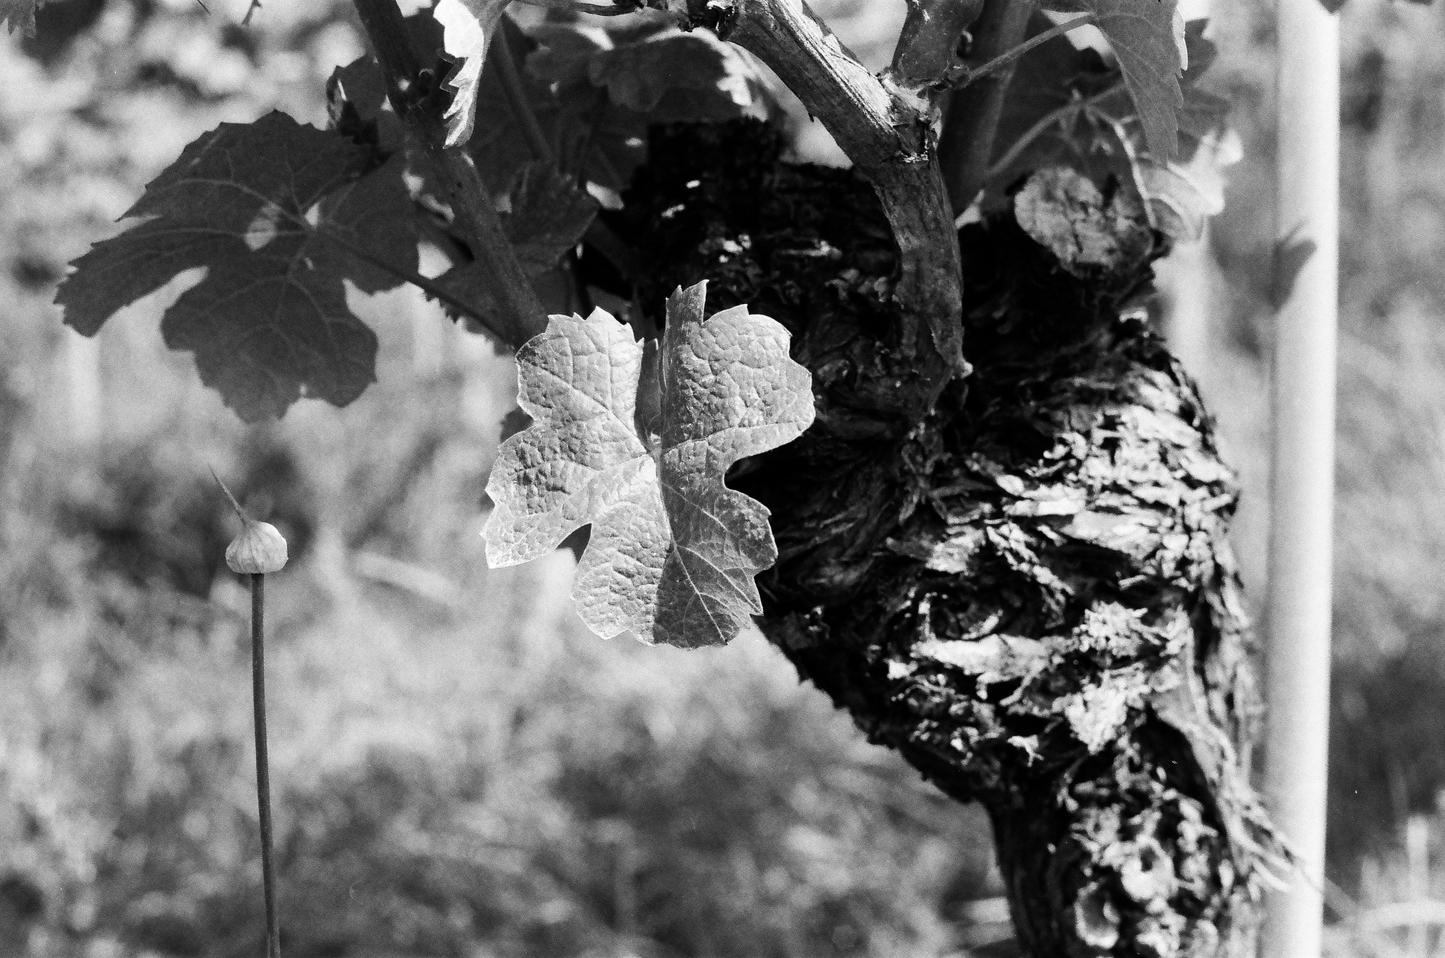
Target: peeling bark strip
1030, 594
887, 136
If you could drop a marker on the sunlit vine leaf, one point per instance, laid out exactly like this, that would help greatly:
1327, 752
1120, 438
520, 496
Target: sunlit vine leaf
279, 214
673, 551
467, 29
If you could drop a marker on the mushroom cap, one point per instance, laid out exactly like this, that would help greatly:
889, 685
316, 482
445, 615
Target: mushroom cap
260, 548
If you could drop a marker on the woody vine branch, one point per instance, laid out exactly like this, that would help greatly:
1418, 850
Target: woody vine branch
884, 128
415, 96
971, 119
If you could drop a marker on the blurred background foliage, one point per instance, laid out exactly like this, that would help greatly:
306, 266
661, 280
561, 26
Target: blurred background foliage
461, 769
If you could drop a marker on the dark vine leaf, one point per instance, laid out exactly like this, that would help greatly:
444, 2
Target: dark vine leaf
548, 216
1148, 40
360, 84
605, 145
564, 52
589, 130
499, 146
1201, 114
677, 77
673, 551
279, 214
19, 15
1200, 52
1183, 191
357, 108
1065, 212
595, 91
1096, 130
653, 69
467, 29
1043, 121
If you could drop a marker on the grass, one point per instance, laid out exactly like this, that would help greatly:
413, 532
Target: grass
459, 768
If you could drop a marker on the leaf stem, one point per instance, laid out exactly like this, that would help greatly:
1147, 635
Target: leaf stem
600, 101
234, 504
599, 235
426, 284
1059, 115
418, 104
1004, 59
971, 121
263, 776
516, 95
1116, 127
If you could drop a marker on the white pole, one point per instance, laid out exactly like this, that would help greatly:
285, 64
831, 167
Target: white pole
1297, 612
1417, 855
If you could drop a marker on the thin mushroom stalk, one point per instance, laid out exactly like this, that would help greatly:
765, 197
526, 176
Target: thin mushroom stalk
259, 549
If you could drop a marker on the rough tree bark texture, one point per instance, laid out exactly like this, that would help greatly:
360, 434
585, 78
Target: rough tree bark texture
1030, 594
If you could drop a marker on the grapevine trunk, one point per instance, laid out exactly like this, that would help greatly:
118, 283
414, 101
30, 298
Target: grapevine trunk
1028, 594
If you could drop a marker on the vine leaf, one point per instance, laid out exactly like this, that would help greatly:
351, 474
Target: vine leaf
19, 14
1147, 36
1184, 190
548, 217
673, 551
1044, 120
1068, 107
357, 107
677, 77
595, 91
467, 28
1183, 195
280, 214
589, 131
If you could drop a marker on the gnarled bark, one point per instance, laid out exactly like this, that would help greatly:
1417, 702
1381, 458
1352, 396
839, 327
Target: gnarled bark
1030, 594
